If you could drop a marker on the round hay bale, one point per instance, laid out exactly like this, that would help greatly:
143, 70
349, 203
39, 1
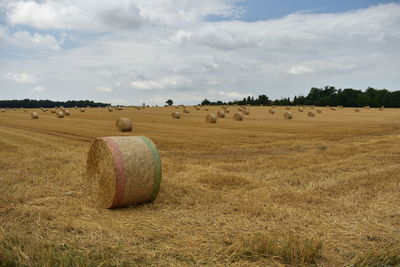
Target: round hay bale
197, 108
310, 114
34, 115
124, 124
110, 109
221, 114
271, 111
67, 112
211, 118
60, 114
122, 171
238, 117
53, 110
381, 108
2, 110
301, 110
176, 115
240, 109
332, 108
287, 108
185, 110
288, 116
25, 110
206, 109
83, 109
356, 110
246, 112
319, 111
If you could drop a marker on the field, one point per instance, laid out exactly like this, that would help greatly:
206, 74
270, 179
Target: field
261, 192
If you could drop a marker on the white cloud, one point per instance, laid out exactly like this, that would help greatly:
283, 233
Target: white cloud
35, 41
104, 89
21, 77
39, 89
297, 70
170, 82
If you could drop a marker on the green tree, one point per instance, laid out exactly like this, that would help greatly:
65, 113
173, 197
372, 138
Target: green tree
169, 102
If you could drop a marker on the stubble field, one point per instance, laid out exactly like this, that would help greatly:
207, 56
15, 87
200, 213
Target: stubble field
261, 192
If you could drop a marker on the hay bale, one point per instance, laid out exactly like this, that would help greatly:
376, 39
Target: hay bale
287, 108
240, 109
83, 109
319, 111
221, 114
122, 171
197, 108
206, 109
176, 115
300, 110
53, 110
2, 110
185, 110
271, 111
356, 110
310, 114
238, 117
288, 116
34, 115
67, 112
211, 118
332, 108
110, 109
381, 108
124, 124
60, 114
246, 112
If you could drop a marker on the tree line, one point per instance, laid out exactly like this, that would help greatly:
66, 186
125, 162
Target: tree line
30, 103
328, 95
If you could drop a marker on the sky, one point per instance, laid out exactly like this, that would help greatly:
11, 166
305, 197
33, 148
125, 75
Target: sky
129, 52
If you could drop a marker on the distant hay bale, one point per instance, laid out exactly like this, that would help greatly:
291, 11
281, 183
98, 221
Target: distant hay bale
319, 111
381, 108
211, 118
356, 110
2, 110
110, 109
206, 109
300, 110
271, 111
310, 114
238, 117
240, 109
60, 114
186, 110
176, 115
53, 110
288, 116
246, 112
34, 115
25, 110
123, 171
124, 124
83, 109
197, 107
221, 114
76, 107
332, 108
287, 108
67, 112
367, 107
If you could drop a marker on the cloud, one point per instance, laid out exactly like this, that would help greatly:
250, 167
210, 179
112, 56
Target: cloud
297, 70
35, 41
21, 77
39, 89
104, 89
170, 82
170, 49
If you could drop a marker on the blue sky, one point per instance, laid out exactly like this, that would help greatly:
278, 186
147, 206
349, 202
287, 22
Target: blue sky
135, 51
272, 9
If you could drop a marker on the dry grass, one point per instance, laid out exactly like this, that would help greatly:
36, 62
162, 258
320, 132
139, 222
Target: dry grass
263, 192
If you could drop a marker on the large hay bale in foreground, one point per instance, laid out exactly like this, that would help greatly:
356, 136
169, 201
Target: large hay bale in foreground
310, 114
34, 115
221, 114
124, 125
60, 114
176, 115
238, 117
288, 116
211, 118
123, 170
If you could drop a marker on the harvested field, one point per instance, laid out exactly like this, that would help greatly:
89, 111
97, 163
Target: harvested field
264, 191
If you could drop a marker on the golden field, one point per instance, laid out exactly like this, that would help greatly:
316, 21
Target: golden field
261, 192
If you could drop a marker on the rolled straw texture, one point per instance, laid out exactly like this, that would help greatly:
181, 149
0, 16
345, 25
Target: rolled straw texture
288, 116
211, 118
124, 124
123, 170
176, 115
238, 117
221, 114
34, 115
